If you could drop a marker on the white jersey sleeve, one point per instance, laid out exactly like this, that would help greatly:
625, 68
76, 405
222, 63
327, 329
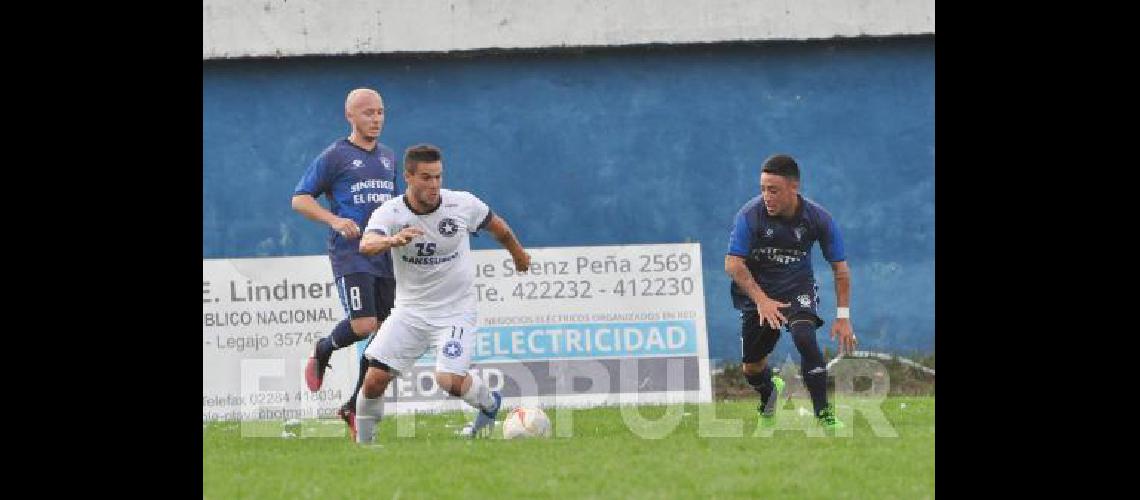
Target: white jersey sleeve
383, 219
475, 213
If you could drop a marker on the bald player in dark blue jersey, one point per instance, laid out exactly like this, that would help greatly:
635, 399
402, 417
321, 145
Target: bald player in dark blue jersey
355, 174
773, 286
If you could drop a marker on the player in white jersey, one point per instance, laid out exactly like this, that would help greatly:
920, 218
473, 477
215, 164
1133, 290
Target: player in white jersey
428, 231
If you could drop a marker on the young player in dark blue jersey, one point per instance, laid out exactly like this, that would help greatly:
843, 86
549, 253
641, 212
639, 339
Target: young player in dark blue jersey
355, 174
769, 261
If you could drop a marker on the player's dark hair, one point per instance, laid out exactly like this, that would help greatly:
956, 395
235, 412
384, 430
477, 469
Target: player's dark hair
420, 153
783, 166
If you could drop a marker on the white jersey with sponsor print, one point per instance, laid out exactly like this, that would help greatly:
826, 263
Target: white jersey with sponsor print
435, 274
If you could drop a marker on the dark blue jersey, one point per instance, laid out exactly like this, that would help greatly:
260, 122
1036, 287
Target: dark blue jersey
355, 182
777, 249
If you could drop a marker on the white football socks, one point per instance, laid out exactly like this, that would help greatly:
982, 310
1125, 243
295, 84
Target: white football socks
368, 414
477, 394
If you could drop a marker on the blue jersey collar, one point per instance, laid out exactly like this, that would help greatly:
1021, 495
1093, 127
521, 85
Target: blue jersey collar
353, 144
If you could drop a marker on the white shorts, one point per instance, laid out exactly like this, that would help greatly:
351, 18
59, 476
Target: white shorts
404, 337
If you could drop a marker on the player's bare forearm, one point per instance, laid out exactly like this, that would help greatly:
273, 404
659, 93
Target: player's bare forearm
841, 329
307, 205
373, 243
735, 267
503, 234
842, 283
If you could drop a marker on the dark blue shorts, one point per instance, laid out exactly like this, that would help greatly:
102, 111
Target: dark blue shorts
366, 296
757, 342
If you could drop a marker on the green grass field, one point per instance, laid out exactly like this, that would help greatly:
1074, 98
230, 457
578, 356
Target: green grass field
604, 458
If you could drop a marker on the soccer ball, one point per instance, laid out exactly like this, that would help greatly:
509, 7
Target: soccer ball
526, 423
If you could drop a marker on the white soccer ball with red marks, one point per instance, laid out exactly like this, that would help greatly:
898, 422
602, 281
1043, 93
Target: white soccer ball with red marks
526, 423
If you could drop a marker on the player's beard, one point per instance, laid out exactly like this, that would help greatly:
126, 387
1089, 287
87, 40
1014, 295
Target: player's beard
425, 201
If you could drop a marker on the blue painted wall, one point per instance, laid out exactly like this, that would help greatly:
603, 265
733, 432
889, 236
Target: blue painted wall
615, 146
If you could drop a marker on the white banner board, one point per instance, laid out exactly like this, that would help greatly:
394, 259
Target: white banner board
585, 326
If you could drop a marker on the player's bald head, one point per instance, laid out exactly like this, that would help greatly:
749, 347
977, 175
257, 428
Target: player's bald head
361, 95
364, 109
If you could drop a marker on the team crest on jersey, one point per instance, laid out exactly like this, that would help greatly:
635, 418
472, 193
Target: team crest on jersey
448, 227
768, 233
387, 163
452, 349
357, 163
799, 232
805, 300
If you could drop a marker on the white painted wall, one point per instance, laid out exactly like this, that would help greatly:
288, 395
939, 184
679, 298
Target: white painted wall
254, 28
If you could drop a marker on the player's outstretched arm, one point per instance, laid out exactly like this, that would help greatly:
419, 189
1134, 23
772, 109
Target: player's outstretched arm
842, 325
766, 308
503, 234
373, 243
307, 205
